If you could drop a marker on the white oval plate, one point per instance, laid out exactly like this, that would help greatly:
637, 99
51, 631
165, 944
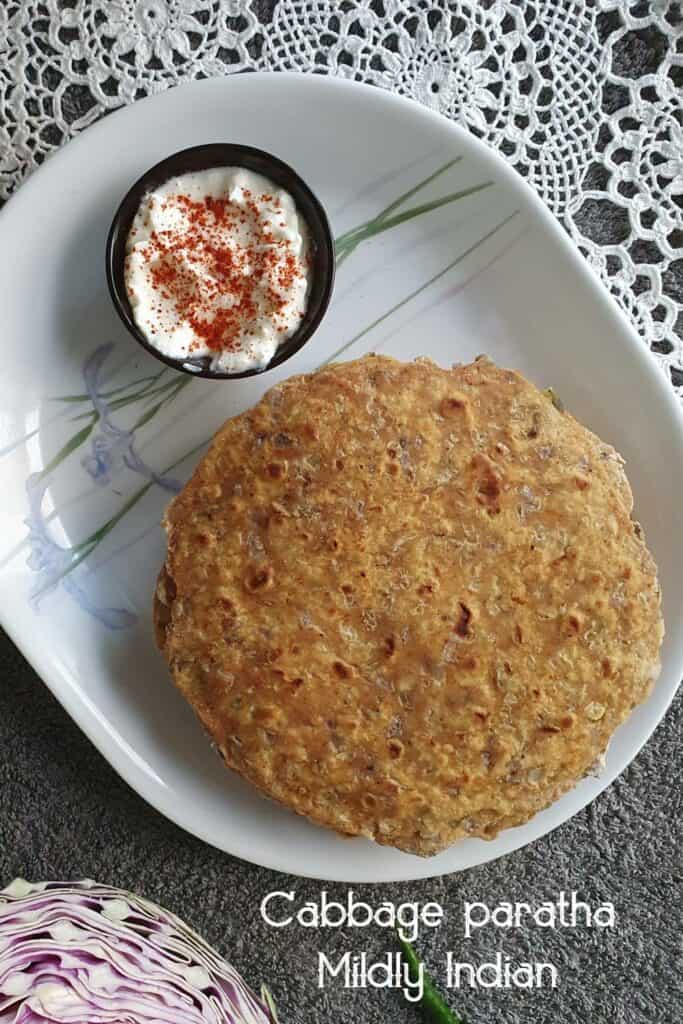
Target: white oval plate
81, 544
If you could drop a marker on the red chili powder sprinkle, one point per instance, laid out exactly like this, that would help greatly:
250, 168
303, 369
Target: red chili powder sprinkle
234, 272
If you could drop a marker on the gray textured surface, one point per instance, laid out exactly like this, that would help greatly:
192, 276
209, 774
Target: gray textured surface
65, 814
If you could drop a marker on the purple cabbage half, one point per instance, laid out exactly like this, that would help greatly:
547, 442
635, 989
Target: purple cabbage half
82, 952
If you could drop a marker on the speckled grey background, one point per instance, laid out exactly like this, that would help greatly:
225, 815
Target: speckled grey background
65, 814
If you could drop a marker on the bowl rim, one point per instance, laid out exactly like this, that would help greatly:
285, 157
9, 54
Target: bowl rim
226, 154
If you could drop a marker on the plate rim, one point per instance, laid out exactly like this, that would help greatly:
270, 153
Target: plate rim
88, 720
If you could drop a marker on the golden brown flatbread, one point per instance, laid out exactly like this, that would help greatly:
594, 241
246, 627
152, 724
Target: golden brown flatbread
408, 602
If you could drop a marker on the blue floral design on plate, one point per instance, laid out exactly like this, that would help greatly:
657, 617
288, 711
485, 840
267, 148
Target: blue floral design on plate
112, 449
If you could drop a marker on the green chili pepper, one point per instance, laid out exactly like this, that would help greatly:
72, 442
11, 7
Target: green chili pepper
434, 1007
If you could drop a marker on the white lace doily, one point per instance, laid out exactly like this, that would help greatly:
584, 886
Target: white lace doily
584, 97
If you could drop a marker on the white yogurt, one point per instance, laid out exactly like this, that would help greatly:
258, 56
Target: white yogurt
217, 266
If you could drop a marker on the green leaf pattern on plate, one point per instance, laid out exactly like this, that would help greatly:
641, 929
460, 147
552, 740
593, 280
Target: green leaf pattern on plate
111, 448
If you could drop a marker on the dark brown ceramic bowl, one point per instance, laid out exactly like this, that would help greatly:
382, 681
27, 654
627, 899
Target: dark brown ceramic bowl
199, 158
